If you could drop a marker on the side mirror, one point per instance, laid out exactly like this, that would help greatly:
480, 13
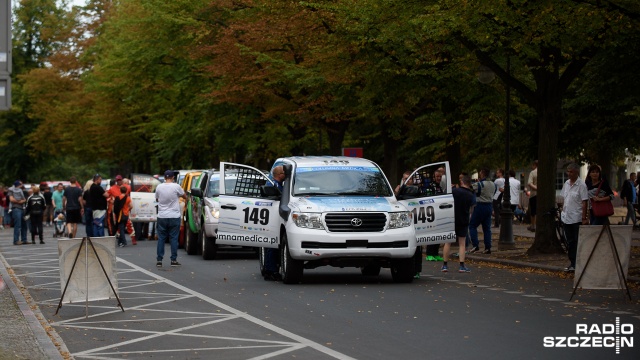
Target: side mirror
270, 192
196, 192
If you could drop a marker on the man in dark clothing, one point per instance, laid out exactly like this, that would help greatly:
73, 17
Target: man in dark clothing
271, 255
464, 199
98, 201
628, 195
45, 190
72, 204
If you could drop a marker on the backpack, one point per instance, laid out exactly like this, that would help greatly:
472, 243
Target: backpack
36, 205
118, 205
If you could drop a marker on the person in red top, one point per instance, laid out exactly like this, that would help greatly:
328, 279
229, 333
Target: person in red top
115, 192
121, 209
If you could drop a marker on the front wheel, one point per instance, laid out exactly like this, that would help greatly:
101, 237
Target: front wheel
209, 247
290, 269
403, 270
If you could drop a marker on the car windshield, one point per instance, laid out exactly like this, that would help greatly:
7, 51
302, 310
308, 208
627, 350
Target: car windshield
340, 180
214, 186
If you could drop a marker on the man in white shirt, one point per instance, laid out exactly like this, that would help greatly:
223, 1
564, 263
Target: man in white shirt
574, 211
514, 190
167, 196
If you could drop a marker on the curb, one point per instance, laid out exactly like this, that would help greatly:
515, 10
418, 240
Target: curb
523, 264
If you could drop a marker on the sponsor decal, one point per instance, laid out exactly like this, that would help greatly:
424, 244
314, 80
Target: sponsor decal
247, 202
436, 238
248, 238
264, 203
412, 203
616, 336
355, 209
427, 201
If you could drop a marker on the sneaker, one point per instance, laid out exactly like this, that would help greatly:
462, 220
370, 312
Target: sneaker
175, 263
121, 245
444, 268
431, 258
159, 264
416, 276
464, 269
474, 249
487, 251
439, 258
569, 269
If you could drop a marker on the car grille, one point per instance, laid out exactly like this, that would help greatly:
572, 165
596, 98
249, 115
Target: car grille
355, 222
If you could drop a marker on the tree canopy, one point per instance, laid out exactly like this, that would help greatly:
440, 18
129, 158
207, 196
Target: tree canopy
142, 85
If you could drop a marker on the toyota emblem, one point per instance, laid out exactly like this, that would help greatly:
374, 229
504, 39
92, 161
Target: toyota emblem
355, 222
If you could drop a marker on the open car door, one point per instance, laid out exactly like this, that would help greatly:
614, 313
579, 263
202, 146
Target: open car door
248, 216
143, 198
427, 194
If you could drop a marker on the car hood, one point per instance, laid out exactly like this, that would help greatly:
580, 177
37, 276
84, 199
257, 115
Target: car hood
345, 203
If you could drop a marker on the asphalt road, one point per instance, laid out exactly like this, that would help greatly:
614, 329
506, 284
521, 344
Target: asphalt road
223, 309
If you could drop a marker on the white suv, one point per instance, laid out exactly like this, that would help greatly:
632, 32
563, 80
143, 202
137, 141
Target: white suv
337, 211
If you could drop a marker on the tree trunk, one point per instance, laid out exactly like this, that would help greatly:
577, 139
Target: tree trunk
336, 131
549, 119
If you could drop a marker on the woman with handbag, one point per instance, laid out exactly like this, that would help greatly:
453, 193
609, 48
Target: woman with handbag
600, 196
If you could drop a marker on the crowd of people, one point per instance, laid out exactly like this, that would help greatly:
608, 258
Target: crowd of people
481, 201
31, 209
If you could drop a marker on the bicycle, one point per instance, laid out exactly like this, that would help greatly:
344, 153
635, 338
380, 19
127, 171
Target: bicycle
560, 239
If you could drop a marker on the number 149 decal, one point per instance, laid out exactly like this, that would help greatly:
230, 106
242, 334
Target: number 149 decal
423, 214
255, 216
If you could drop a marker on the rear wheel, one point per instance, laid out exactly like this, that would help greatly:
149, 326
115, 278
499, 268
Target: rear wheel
290, 269
191, 244
402, 270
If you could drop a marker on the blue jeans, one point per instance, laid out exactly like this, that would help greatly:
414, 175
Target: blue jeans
88, 221
98, 226
168, 229
271, 260
19, 225
571, 232
481, 216
631, 214
122, 228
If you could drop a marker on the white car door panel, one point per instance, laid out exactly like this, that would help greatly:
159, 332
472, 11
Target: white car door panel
247, 219
432, 208
143, 198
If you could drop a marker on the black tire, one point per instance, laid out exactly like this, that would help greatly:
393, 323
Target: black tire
290, 269
261, 255
370, 270
191, 243
403, 270
209, 247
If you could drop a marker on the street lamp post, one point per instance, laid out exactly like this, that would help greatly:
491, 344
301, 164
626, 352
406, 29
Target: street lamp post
485, 76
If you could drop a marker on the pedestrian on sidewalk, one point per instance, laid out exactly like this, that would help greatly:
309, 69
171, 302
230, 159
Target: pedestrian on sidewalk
484, 190
596, 182
88, 209
3, 199
532, 183
36, 205
497, 197
464, 200
45, 190
121, 208
73, 205
629, 196
574, 211
17, 202
167, 196
98, 201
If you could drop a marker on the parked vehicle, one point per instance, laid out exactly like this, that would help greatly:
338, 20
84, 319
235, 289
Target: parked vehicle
188, 239
336, 211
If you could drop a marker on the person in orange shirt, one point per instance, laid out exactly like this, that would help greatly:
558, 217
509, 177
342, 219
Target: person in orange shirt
121, 209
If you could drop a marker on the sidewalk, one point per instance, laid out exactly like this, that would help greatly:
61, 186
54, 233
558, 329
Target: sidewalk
523, 239
22, 335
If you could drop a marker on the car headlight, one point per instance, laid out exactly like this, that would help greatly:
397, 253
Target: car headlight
399, 219
215, 213
308, 220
